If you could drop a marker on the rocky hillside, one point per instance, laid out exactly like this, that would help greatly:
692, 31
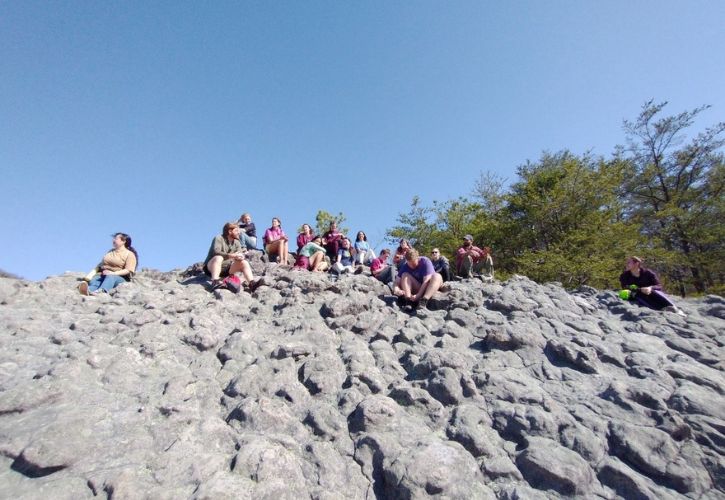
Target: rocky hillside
311, 388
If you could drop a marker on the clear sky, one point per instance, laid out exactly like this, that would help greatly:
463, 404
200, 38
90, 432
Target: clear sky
166, 119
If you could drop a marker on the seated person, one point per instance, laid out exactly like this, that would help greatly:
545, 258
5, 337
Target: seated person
343, 263
275, 242
364, 255
117, 266
248, 234
304, 237
418, 281
226, 257
399, 257
441, 264
380, 268
649, 291
471, 259
332, 240
312, 256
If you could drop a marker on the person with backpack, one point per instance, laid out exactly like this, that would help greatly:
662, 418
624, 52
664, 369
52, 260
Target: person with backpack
117, 266
227, 258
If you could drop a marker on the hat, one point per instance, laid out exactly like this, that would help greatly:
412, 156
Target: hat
468, 237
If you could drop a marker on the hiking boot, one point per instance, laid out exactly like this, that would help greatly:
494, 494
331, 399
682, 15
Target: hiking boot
83, 288
359, 269
401, 301
422, 303
256, 284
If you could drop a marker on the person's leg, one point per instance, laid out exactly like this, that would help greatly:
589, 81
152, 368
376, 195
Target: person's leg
95, 283
466, 265
657, 300
315, 260
215, 267
246, 241
386, 275
446, 272
273, 250
284, 249
432, 286
243, 267
409, 285
369, 257
110, 282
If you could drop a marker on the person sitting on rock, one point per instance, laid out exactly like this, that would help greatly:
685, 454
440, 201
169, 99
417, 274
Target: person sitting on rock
305, 236
440, 264
380, 268
399, 257
276, 242
471, 259
344, 261
418, 281
312, 256
332, 240
648, 291
364, 255
226, 257
116, 267
248, 232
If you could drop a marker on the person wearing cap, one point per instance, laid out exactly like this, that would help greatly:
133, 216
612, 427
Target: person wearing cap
649, 291
472, 259
418, 281
226, 257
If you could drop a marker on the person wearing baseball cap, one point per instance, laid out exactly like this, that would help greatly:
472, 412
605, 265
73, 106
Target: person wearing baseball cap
472, 259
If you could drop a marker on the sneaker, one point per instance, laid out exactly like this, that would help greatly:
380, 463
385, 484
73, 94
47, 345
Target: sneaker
401, 301
422, 303
83, 288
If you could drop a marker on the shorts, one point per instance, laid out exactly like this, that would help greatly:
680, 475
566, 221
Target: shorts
226, 264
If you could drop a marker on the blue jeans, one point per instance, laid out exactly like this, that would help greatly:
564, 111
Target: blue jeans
105, 283
247, 241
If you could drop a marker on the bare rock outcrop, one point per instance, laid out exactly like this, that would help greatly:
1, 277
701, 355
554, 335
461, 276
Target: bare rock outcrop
310, 388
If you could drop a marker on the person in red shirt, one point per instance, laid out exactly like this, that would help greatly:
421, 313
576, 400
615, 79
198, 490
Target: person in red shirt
472, 259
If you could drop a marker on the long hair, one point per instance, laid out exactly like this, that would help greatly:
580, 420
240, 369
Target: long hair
127, 242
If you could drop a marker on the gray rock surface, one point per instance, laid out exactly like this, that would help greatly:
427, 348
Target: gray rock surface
310, 388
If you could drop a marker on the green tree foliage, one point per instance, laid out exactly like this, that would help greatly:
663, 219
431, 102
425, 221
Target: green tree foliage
564, 221
324, 218
574, 219
675, 191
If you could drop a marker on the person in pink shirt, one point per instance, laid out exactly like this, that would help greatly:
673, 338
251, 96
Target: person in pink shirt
276, 242
471, 259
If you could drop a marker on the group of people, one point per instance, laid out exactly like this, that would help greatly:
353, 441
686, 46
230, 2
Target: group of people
413, 278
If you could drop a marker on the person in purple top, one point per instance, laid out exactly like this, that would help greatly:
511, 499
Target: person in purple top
304, 237
418, 280
649, 291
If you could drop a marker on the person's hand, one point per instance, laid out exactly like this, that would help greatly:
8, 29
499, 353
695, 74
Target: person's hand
646, 290
106, 272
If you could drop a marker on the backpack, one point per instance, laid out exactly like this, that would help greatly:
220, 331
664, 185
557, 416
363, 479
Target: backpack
232, 283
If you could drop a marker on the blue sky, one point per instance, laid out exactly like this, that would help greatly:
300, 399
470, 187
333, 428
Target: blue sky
166, 119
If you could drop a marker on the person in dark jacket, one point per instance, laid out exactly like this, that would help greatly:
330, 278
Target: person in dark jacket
648, 290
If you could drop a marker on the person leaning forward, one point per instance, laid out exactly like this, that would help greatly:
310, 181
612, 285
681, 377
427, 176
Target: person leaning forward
227, 257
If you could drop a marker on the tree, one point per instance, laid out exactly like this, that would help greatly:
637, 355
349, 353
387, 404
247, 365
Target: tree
675, 191
324, 218
564, 220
